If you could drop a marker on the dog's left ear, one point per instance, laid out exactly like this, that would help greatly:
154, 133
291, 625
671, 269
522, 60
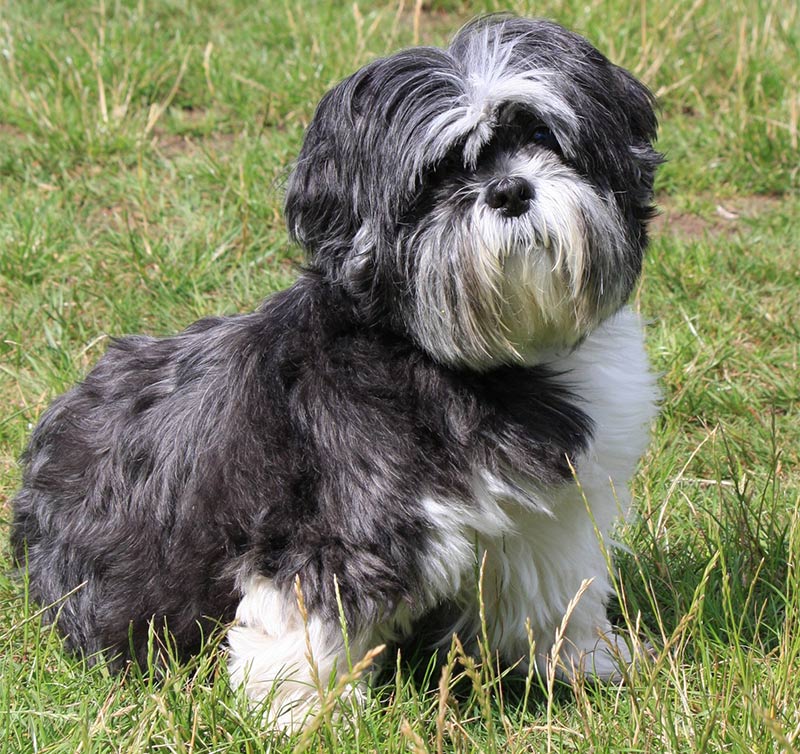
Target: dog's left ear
640, 105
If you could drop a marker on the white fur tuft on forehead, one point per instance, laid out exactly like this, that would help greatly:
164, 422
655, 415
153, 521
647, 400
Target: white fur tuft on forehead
491, 78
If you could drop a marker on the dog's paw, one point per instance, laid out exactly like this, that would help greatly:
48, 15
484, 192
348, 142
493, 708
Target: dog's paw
292, 706
607, 659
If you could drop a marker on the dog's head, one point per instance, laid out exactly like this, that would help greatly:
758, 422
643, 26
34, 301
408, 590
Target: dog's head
490, 200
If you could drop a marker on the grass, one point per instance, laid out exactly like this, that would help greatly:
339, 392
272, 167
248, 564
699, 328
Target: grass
143, 150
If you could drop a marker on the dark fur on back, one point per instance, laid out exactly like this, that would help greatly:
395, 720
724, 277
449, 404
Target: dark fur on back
291, 440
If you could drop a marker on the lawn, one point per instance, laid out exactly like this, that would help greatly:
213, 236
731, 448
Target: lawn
143, 152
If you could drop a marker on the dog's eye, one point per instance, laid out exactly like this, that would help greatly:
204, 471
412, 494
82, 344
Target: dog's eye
541, 135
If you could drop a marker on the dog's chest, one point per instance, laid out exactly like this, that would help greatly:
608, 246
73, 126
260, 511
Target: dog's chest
526, 546
505, 550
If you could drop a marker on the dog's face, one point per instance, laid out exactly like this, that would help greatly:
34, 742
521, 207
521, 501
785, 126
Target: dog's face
489, 200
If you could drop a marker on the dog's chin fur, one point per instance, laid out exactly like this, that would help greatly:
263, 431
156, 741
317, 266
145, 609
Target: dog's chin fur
419, 403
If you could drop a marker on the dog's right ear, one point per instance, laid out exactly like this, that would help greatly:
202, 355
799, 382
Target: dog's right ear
319, 206
363, 153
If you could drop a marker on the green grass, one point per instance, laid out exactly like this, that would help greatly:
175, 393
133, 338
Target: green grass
143, 151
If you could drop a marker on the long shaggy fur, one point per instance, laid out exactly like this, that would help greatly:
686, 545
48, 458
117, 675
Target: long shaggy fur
416, 401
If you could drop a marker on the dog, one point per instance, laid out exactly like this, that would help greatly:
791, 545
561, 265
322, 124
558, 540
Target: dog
453, 389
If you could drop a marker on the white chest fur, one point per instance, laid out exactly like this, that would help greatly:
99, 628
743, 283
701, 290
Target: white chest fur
537, 545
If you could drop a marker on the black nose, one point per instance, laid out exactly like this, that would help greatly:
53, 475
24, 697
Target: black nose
509, 195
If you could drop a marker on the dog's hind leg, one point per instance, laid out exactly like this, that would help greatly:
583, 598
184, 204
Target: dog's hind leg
291, 662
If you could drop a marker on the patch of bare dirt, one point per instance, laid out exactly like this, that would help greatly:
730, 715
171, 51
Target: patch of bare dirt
724, 216
176, 145
12, 133
188, 134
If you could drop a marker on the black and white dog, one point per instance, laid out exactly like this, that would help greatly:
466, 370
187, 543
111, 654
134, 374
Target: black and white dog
415, 404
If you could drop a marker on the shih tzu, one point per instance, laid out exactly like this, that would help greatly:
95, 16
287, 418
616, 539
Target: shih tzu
453, 381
